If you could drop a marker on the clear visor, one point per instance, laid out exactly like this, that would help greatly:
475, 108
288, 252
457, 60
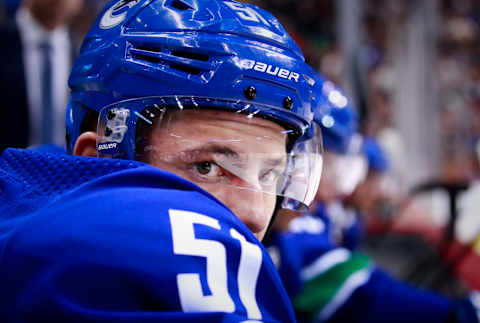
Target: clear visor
217, 144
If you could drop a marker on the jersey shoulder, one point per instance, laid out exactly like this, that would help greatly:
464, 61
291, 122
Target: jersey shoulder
139, 241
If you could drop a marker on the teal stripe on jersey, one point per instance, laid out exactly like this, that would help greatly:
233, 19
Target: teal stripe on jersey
326, 292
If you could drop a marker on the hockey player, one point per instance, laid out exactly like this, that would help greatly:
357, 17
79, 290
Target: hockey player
370, 197
345, 165
204, 127
328, 283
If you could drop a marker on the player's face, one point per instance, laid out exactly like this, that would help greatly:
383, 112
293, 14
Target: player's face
235, 158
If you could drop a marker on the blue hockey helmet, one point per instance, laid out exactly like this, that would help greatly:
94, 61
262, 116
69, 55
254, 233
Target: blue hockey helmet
377, 160
145, 57
336, 115
346, 164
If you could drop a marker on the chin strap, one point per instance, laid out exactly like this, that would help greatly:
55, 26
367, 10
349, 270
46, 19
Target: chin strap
278, 206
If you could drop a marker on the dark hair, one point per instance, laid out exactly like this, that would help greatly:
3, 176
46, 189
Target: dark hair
89, 123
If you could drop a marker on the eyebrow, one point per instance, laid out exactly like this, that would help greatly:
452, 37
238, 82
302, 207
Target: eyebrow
213, 149
274, 162
226, 151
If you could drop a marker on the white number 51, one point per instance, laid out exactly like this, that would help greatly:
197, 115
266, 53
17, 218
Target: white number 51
190, 291
246, 13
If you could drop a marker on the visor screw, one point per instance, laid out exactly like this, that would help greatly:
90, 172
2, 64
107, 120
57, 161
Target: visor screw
108, 131
288, 103
110, 115
250, 92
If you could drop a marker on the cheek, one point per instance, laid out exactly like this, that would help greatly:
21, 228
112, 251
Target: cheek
270, 201
253, 208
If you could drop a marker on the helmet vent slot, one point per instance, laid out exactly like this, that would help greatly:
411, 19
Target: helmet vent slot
179, 5
185, 68
195, 56
145, 55
147, 58
149, 49
182, 60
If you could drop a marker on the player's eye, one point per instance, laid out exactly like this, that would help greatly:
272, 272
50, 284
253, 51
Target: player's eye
207, 169
269, 178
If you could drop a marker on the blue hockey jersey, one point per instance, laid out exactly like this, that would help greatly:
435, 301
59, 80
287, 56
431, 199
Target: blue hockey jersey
102, 240
331, 284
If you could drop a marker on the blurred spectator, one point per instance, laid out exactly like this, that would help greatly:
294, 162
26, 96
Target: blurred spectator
34, 72
371, 197
82, 22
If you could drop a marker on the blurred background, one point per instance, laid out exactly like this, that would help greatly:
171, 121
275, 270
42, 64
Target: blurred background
412, 68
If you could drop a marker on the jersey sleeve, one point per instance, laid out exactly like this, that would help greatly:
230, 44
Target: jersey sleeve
137, 254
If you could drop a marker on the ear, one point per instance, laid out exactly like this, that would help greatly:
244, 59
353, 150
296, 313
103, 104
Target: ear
86, 145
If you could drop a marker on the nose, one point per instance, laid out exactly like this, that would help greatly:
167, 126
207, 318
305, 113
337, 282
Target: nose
253, 207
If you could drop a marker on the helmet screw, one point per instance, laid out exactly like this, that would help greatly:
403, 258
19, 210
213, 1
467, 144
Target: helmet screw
108, 131
110, 115
288, 103
250, 92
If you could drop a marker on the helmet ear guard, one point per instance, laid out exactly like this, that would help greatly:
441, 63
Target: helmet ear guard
75, 122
